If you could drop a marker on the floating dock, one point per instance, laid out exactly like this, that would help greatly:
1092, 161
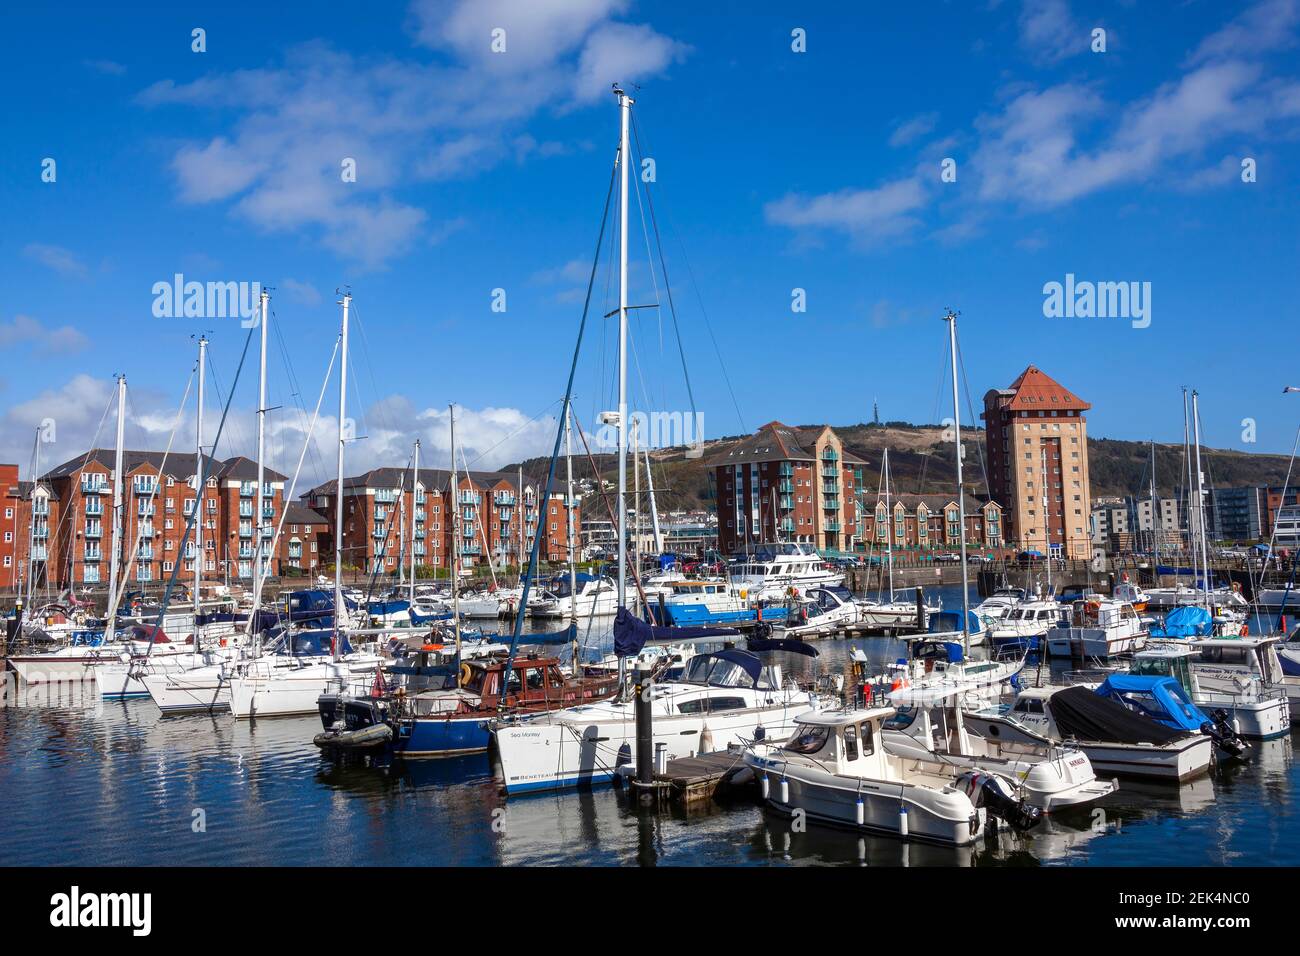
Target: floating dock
694, 780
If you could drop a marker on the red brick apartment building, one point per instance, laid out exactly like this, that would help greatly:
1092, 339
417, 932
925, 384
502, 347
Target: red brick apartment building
64, 524
384, 516
1038, 464
929, 521
787, 484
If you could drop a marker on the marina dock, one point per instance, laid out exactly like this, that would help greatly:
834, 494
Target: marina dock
690, 781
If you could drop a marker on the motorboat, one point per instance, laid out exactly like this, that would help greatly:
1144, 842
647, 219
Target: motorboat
1097, 627
1167, 598
836, 768
724, 698
1241, 676
896, 614
824, 611
1116, 740
928, 725
596, 596
1129, 593
997, 604
458, 720
710, 603
1165, 701
1026, 624
933, 663
769, 571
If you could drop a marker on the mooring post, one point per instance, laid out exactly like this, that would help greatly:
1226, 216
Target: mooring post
645, 769
920, 608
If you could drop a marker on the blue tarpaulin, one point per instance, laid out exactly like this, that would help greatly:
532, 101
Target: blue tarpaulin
1186, 621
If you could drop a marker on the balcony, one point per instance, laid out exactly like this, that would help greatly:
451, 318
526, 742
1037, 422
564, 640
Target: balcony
149, 487
831, 504
245, 509
378, 534
247, 489
785, 487
385, 496
505, 498
418, 533
94, 484
41, 532
145, 510
471, 549
94, 531
470, 498
245, 553
93, 554
295, 551
94, 507
146, 531
145, 554
786, 470
833, 526
245, 530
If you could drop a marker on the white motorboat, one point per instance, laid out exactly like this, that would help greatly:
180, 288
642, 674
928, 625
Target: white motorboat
770, 571
836, 768
596, 596
724, 698
1165, 599
1026, 623
997, 604
1129, 593
928, 725
1241, 676
1120, 743
824, 611
1279, 599
1097, 627
938, 660
897, 613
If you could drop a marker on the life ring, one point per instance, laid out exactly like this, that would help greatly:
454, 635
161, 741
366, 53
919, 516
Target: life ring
1092, 607
431, 647
1245, 630
464, 674
223, 642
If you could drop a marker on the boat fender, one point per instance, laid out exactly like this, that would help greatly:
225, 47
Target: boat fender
706, 740
784, 792
902, 819
766, 786
861, 810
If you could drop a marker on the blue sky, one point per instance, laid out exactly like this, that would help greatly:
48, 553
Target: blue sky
775, 170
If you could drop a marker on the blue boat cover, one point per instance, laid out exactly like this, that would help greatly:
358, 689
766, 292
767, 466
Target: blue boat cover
945, 622
387, 607
1160, 698
631, 633
316, 644
749, 663
1186, 621
949, 651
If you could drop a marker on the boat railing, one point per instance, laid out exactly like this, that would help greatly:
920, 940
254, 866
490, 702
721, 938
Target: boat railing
1092, 675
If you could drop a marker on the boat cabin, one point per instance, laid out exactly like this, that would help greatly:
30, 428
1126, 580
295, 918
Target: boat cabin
932, 715
845, 741
1096, 611
732, 668
535, 683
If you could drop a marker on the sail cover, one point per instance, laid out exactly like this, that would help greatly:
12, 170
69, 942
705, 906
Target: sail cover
566, 636
631, 633
791, 644
1081, 714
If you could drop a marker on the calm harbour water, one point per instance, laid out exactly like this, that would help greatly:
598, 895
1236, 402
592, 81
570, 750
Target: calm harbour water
114, 784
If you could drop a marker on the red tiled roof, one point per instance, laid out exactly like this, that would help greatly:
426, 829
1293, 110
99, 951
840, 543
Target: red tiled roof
1035, 390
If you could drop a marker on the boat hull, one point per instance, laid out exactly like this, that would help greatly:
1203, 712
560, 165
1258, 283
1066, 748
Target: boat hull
944, 816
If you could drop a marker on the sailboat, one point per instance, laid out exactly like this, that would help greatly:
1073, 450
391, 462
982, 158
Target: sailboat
723, 698
896, 612
281, 684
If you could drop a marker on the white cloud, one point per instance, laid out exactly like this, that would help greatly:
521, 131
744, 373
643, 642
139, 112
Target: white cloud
913, 129
867, 214
24, 330
301, 292
403, 120
1263, 28
1049, 32
57, 258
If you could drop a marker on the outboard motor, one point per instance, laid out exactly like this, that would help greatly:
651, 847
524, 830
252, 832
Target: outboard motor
998, 795
1226, 739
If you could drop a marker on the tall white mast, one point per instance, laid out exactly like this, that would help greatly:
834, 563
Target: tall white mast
624, 154
951, 319
889, 530
636, 494
1200, 501
1155, 524
31, 534
114, 590
1187, 498
199, 480
568, 501
656, 531
1047, 524
339, 608
415, 501
258, 567
455, 538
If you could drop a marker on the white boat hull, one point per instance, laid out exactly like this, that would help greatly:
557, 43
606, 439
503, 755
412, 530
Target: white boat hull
940, 816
